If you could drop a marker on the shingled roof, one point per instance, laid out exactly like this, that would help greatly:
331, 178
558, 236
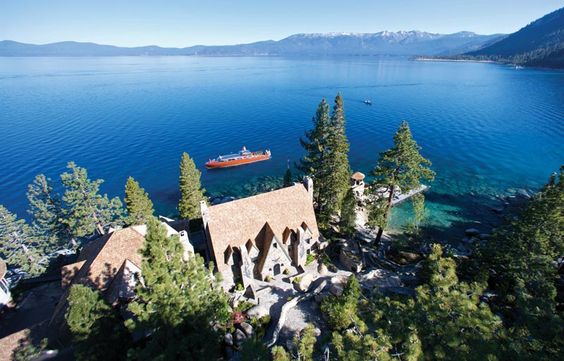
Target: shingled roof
234, 223
102, 258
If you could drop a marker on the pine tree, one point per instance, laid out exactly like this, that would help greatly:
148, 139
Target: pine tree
401, 167
305, 344
46, 209
254, 350
454, 324
97, 331
279, 354
335, 169
520, 257
418, 203
137, 203
86, 210
314, 144
348, 214
191, 191
17, 244
342, 311
178, 302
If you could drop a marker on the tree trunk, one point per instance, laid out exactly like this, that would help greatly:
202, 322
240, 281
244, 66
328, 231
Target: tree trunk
387, 214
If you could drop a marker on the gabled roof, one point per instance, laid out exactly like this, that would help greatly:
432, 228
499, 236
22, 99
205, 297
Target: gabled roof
102, 258
236, 222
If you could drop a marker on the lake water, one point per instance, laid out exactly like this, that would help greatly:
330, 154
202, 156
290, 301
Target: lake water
488, 129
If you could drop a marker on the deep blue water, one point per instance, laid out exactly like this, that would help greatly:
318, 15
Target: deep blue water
488, 129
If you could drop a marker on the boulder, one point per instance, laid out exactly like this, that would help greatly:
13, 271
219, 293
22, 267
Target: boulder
258, 311
322, 269
305, 282
228, 339
472, 232
336, 289
247, 328
239, 337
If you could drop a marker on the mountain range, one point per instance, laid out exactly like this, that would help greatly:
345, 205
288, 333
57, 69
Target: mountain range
381, 43
541, 43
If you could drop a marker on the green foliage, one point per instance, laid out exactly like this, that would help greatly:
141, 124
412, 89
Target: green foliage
97, 331
46, 211
305, 344
191, 191
27, 351
18, 246
342, 311
521, 258
254, 350
335, 168
418, 202
401, 166
86, 210
179, 302
326, 159
279, 354
139, 206
358, 347
456, 324
348, 214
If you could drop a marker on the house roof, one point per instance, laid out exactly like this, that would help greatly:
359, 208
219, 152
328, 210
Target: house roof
102, 258
3, 268
358, 176
236, 222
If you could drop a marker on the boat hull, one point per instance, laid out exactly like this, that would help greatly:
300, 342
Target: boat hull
236, 162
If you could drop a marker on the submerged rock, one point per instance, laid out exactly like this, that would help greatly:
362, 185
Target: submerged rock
472, 232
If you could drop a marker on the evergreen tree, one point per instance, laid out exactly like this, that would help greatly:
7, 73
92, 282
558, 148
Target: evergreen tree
97, 330
520, 258
351, 346
305, 345
288, 177
418, 202
348, 214
254, 350
86, 210
191, 191
46, 210
314, 144
342, 311
178, 302
454, 324
335, 169
17, 244
279, 354
401, 167
139, 206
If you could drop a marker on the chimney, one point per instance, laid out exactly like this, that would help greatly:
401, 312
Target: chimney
308, 184
204, 212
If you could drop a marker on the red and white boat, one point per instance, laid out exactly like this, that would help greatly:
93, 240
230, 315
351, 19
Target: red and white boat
244, 156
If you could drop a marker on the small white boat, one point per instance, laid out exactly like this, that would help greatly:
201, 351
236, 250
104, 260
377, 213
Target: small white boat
367, 102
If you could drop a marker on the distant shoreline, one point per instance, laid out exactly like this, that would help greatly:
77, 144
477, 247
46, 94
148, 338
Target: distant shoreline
457, 60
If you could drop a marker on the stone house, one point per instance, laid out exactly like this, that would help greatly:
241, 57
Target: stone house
263, 236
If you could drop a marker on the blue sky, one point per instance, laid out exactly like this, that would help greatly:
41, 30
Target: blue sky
185, 22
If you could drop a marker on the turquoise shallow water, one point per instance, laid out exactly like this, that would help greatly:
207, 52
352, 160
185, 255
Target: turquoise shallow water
489, 129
